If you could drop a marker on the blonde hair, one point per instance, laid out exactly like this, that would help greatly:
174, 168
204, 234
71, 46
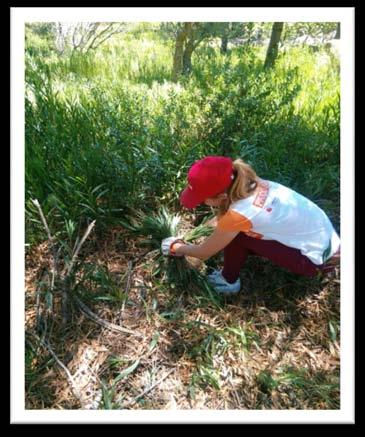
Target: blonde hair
244, 185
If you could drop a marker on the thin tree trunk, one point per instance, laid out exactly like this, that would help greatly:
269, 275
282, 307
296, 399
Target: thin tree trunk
224, 44
338, 31
179, 51
227, 27
189, 48
272, 51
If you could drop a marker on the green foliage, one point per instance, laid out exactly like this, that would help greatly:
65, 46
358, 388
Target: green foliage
97, 284
318, 387
333, 328
210, 350
202, 230
35, 366
108, 132
109, 137
39, 38
177, 271
266, 382
321, 30
157, 226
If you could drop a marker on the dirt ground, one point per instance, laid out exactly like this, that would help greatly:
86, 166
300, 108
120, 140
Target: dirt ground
273, 346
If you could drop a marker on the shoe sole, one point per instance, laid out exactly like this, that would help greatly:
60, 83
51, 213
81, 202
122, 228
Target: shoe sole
217, 289
227, 293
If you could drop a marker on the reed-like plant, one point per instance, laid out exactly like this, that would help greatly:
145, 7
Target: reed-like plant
115, 118
178, 271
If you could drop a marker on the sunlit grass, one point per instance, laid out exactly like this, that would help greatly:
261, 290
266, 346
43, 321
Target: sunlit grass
109, 137
114, 117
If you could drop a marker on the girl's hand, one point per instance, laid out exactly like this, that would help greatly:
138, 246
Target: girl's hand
175, 247
168, 245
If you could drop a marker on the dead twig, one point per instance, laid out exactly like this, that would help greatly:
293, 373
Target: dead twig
94, 317
127, 404
75, 254
51, 241
66, 281
37, 204
127, 288
236, 397
70, 378
54, 271
129, 276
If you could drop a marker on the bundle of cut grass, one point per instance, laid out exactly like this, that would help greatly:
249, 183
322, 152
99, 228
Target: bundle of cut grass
180, 272
203, 230
163, 224
156, 227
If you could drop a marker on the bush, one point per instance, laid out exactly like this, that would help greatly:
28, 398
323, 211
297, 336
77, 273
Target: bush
110, 131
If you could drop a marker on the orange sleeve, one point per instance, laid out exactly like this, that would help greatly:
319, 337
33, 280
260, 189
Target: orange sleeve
233, 221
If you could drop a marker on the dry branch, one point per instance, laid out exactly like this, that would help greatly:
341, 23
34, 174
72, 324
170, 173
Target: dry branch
51, 241
75, 254
127, 288
66, 282
95, 318
70, 379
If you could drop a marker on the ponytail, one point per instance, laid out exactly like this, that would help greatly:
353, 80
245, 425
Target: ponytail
244, 184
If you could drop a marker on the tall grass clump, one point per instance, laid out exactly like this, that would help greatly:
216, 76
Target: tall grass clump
177, 271
284, 121
112, 122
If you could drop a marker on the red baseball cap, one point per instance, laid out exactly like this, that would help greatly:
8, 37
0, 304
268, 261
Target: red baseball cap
207, 177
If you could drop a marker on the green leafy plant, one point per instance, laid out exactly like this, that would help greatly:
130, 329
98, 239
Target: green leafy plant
178, 271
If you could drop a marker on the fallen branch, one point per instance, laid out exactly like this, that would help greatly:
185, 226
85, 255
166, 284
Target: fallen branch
127, 288
129, 276
66, 281
94, 317
75, 254
54, 271
70, 378
51, 241
37, 204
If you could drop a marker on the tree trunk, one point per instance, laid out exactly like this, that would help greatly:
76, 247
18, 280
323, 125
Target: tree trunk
227, 27
191, 44
179, 51
189, 48
338, 31
272, 51
224, 44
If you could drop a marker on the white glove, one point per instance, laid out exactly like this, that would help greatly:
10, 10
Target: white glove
166, 245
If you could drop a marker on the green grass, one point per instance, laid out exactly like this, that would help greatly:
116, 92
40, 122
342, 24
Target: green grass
36, 381
318, 387
109, 131
175, 271
210, 344
109, 137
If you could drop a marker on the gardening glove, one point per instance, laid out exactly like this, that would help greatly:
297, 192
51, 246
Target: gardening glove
167, 244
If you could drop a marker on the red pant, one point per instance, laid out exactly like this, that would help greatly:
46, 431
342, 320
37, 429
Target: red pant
235, 255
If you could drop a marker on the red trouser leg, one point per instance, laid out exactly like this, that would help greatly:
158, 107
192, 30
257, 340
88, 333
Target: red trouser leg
236, 252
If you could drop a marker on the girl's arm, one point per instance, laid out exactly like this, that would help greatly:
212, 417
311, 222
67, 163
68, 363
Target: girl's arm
213, 244
212, 222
